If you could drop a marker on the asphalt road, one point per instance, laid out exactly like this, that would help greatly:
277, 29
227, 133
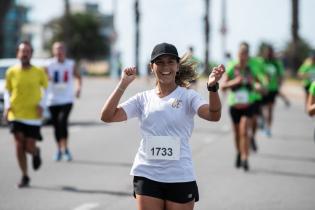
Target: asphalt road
282, 175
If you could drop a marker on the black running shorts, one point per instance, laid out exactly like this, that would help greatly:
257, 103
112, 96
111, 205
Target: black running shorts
236, 114
182, 192
29, 131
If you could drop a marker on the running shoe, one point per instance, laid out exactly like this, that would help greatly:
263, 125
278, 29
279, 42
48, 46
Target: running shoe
238, 160
253, 144
25, 181
245, 165
268, 132
68, 156
57, 156
261, 123
37, 161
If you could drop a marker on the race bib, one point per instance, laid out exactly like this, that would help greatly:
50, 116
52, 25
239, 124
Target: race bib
271, 69
241, 97
162, 148
60, 86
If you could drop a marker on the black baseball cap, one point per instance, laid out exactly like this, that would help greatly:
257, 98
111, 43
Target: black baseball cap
164, 49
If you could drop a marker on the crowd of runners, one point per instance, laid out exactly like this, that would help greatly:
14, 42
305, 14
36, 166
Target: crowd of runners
163, 174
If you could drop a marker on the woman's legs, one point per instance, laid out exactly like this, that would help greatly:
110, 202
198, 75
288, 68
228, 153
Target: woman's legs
244, 140
236, 129
179, 206
149, 203
60, 115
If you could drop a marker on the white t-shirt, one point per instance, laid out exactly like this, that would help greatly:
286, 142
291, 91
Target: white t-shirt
60, 88
173, 116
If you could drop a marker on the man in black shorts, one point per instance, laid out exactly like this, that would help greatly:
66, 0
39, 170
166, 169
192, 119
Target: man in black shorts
24, 107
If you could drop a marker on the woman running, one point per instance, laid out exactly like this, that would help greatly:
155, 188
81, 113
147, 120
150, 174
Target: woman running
163, 173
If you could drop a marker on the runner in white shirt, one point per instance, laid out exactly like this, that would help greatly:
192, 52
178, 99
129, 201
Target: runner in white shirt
163, 173
60, 97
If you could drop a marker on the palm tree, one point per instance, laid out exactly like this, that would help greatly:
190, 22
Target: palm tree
207, 30
66, 25
295, 32
137, 33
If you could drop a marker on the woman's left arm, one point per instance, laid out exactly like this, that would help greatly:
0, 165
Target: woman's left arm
212, 111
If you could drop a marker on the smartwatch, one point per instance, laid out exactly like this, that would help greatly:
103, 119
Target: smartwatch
213, 88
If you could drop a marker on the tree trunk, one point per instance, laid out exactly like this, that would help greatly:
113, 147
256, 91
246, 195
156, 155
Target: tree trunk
207, 30
66, 21
295, 33
137, 34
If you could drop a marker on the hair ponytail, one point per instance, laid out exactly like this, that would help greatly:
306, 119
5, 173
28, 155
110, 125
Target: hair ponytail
187, 71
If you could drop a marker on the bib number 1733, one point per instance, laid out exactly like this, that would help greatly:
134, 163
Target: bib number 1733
163, 148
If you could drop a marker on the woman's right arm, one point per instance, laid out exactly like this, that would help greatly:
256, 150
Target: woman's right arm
110, 111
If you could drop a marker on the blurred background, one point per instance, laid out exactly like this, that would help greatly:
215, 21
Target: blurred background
104, 35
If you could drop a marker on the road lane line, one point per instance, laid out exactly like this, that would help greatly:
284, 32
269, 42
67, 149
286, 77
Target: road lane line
87, 206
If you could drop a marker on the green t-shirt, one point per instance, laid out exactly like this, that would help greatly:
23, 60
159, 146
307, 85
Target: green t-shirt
257, 68
274, 71
243, 94
311, 90
310, 70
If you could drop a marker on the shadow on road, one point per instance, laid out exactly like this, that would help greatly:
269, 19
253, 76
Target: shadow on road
285, 157
290, 137
87, 123
281, 173
84, 191
100, 163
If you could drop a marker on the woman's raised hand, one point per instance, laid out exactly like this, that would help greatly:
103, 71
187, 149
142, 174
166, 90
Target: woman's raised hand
128, 75
216, 74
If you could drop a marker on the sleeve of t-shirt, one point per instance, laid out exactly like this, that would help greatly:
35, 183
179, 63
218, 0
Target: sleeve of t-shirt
280, 68
196, 100
132, 107
303, 68
230, 69
312, 89
8, 85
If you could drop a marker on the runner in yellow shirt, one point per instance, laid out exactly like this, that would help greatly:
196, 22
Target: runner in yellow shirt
24, 106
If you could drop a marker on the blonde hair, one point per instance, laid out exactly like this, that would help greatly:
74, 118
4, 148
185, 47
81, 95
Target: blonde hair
187, 71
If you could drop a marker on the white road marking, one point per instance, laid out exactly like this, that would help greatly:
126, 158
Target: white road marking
87, 206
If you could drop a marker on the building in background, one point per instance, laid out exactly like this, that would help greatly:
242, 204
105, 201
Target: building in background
12, 28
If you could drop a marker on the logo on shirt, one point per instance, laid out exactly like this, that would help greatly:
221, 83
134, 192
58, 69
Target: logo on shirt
189, 196
177, 103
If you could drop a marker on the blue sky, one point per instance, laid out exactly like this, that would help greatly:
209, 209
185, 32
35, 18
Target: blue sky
180, 22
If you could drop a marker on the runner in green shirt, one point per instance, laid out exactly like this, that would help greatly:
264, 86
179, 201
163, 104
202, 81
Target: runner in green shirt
242, 81
307, 73
311, 100
274, 71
